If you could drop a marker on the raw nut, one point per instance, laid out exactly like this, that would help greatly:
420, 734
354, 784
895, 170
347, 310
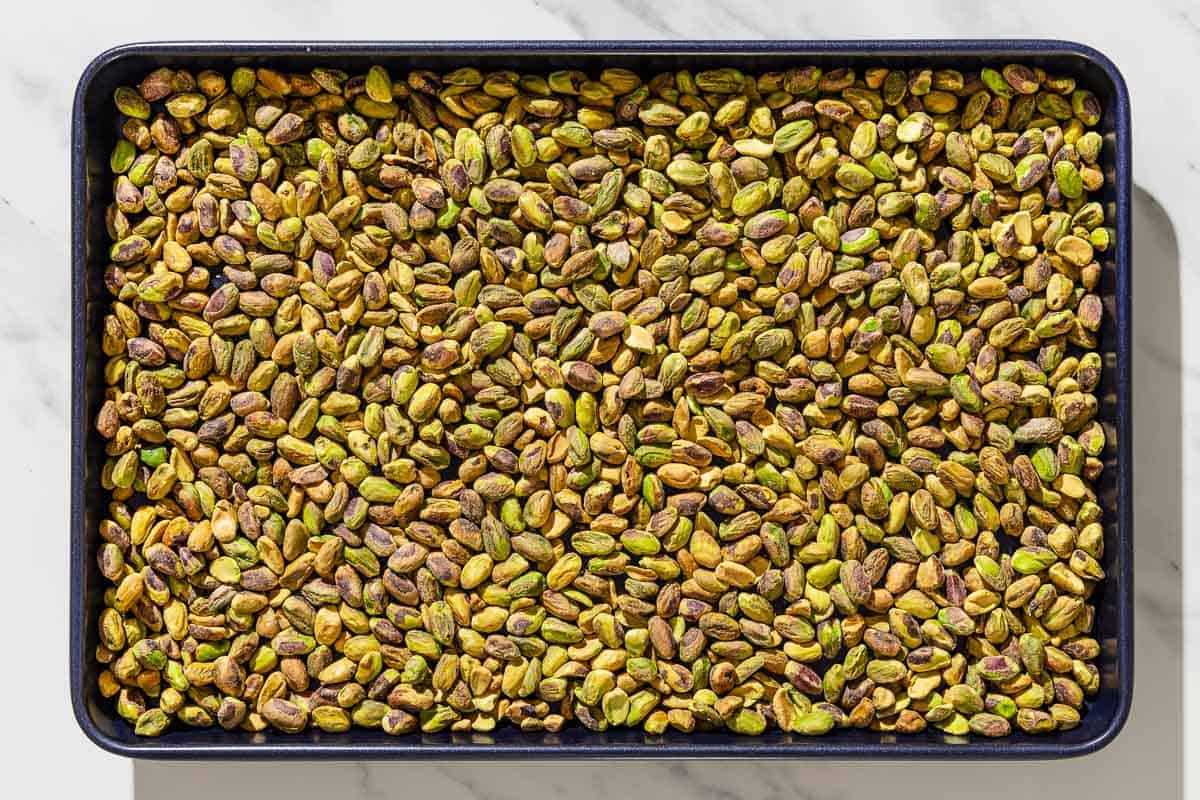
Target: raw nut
698, 401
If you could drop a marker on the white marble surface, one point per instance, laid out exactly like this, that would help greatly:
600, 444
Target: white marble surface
44, 46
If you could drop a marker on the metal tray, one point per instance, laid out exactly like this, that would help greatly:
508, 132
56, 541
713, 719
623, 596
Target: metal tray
95, 128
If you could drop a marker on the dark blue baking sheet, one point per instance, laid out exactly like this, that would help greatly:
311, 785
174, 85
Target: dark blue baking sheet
95, 126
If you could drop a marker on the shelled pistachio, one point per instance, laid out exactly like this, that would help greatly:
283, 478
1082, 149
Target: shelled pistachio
698, 401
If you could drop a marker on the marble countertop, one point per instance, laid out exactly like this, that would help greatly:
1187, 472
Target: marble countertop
45, 47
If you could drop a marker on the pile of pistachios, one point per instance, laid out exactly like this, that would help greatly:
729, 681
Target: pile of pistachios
694, 401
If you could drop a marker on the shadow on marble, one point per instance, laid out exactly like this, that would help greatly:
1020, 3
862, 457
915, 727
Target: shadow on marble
1145, 760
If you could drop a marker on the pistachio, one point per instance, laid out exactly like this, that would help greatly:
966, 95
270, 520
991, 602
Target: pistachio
704, 400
